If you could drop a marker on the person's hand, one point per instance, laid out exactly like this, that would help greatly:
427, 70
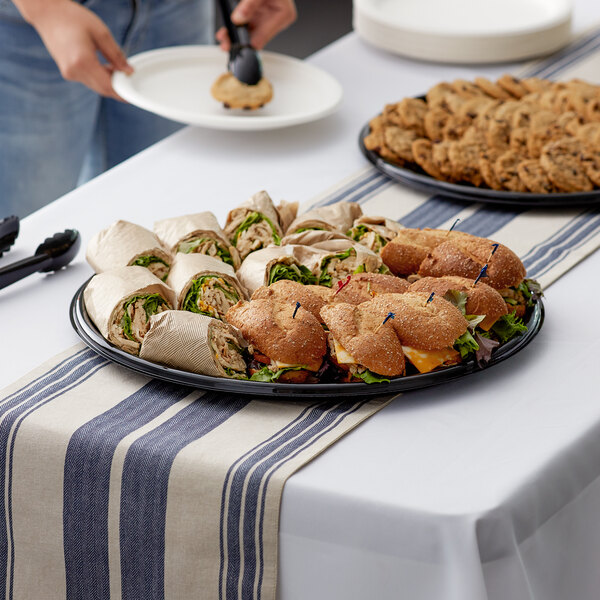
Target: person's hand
74, 35
264, 18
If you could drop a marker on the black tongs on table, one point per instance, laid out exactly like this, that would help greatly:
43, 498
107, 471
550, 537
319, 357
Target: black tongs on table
52, 254
9, 230
244, 62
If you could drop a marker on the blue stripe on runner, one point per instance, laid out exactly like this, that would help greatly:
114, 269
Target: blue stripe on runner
372, 183
574, 59
561, 251
276, 435
556, 58
8, 431
46, 378
433, 212
144, 491
340, 418
486, 221
236, 496
88, 463
244, 493
554, 240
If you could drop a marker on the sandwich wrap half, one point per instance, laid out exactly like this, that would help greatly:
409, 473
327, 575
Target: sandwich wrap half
204, 285
254, 225
373, 232
199, 233
125, 244
310, 237
120, 302
264, 267
195, 343
334, 217
340, 258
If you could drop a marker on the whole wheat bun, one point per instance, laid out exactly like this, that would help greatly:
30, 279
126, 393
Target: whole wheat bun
362, 287
354, 328
291, 292
420, 324
481, 298
436, 253
269, 326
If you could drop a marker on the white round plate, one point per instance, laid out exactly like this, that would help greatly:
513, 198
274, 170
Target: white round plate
175, 83
465, 31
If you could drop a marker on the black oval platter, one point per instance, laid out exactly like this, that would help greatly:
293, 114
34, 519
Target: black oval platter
87, 331
416, 178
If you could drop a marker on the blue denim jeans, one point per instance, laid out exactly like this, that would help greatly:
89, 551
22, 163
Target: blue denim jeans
55, 133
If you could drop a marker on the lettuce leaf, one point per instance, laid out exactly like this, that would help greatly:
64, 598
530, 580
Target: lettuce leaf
369, 377
303, 229
459, 299
466, 344
293, 272
265, 374
359, 231
486, 345
508, 326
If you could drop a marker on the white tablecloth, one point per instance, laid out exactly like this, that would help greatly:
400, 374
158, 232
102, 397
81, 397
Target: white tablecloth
485, 488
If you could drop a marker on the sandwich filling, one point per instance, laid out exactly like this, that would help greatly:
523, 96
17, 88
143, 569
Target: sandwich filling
292, 272
519, 299
336, 267
132, 320
206, 245
367, 237
210, 295
347, 362
156, 265
227, 352
253, 232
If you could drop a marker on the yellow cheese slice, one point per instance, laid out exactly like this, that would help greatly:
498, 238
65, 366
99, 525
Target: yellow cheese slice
342, 356
427, 360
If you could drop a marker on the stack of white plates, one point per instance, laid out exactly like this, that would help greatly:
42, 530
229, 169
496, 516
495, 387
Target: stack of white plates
465, 31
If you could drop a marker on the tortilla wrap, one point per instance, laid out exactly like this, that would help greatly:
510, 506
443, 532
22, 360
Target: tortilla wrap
121, 294
199, 233
196, 343
124, 244
334, 217
374, 232
204, 284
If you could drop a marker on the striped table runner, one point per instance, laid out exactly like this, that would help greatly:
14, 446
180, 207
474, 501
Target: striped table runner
549, 242
116, 486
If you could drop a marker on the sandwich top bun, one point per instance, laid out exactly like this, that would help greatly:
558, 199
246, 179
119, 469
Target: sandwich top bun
362, 287
269, 325
435, 253
291, 292
420, 324
354, 328
481, 298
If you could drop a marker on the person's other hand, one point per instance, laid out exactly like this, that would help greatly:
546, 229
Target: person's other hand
74, 35
264, 18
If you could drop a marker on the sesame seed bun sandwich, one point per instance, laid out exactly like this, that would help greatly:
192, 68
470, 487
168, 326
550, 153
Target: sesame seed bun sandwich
435, 253
475, 299
290, 292
361, 344
428, 328
288, 342
362, 287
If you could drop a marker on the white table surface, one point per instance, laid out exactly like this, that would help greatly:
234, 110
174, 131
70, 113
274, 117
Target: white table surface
487, 487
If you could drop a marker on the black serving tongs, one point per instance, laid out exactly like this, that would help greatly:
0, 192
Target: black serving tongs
244, 61
9, 230
52, 254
